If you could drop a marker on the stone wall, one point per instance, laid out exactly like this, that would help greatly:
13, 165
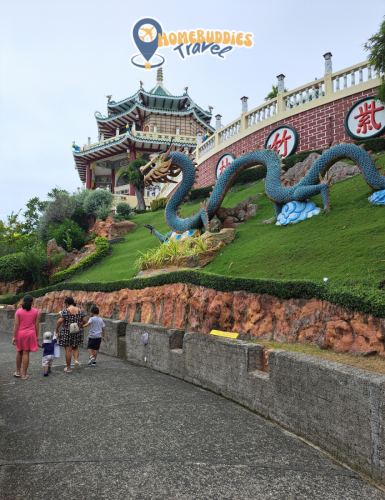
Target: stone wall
337, 407
193, 308
313, 127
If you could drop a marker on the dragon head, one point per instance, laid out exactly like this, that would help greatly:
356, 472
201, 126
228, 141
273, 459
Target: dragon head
161, 170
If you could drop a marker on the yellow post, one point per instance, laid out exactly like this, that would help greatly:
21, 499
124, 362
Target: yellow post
328, 83
280, 103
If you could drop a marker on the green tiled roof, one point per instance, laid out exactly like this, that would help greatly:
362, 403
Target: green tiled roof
158, 91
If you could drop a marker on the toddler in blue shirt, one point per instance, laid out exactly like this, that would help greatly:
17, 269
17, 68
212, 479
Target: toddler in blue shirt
48, 352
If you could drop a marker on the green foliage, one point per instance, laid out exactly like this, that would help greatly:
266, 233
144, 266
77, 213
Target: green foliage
12, 268
132, 174
201, 193
376, 48
91, 237
102, 250
102, 212
36, 263
56, 258
123, 209
169, 253
81, 196
35, 209
251, 175
376, 144
159, 203
60, 208
80, 217
141, 211
290, 161
96, 199
356, 298
274, 92
42, 227
61, 233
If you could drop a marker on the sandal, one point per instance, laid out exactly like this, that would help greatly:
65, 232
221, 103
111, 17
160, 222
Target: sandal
16, 375
24, 378
68, 371
78, 366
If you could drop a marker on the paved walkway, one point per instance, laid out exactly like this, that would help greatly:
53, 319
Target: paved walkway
118, 431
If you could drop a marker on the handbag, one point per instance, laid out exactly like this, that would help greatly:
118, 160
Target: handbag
74, 328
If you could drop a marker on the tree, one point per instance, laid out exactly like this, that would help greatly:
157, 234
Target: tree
97, 199
35, 209
376, 48
274, 92
61, 207
132, 175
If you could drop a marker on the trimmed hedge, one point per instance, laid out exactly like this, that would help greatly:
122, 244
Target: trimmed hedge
376, 144
102, 250
251, 175
357, 298
200, 193
158, 204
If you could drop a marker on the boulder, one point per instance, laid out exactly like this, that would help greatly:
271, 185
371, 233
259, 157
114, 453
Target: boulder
231, 217
225, 236
52, 245
339, 171
110, 229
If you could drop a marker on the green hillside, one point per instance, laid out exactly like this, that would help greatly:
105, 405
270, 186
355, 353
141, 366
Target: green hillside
346, 245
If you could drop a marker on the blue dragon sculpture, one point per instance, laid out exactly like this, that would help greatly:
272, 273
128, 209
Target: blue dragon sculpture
169, 164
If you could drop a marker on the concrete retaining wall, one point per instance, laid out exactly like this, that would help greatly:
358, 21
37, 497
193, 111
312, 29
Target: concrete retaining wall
339, 408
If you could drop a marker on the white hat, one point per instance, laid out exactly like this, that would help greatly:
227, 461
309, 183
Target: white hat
47, 337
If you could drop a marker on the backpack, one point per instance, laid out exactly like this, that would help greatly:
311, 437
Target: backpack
74, 327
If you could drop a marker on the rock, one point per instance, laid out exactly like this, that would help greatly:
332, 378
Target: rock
132, 214
214, 225
214, 239
52, 245
203, 258
110, 229
231, 217
339, 171
254, 316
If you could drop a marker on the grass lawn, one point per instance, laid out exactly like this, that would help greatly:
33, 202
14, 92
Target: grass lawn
346, 245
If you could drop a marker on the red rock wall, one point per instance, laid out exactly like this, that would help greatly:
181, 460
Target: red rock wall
313, 129
199, 309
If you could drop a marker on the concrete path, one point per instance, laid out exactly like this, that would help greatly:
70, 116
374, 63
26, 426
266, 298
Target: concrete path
118, 431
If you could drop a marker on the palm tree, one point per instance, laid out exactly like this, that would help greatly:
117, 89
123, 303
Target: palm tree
274, 92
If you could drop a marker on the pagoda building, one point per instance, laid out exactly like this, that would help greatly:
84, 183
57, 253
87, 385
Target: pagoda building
144, 123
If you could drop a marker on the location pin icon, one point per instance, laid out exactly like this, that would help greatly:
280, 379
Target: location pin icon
146, 39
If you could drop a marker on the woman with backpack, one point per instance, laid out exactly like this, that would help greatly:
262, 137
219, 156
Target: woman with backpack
25, 333
72, 319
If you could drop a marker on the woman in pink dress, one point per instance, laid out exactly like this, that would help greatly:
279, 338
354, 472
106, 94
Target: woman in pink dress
25, 332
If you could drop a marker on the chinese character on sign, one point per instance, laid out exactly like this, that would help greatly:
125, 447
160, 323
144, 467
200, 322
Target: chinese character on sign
224, 164
277, 143
367, 117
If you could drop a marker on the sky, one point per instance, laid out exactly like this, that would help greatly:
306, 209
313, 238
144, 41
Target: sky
60, 58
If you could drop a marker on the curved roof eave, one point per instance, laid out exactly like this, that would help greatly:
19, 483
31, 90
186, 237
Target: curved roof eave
148, 94
110, 119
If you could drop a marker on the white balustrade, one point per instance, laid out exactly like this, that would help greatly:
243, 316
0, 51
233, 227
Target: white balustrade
357, 68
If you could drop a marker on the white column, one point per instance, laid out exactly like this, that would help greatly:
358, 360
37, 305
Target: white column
117, 131
369, 72
218, 123
244, 100
328, 62
281, 83
352, 77
337, 83
345, 80
360, 75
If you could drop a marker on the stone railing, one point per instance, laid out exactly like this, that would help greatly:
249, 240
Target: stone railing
330, 87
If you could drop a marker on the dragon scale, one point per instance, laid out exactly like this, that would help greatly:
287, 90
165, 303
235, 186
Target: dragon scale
306, 188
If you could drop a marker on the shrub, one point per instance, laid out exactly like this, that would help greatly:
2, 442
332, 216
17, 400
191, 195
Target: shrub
118, 218
12, 268
96, 199
42, 227
102, 246
123, 208
80, 217
251, 175
102, 212
81, 197
35, 261
357, 298
68, 227
158, 204
376, 144
201, 193
62, 207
